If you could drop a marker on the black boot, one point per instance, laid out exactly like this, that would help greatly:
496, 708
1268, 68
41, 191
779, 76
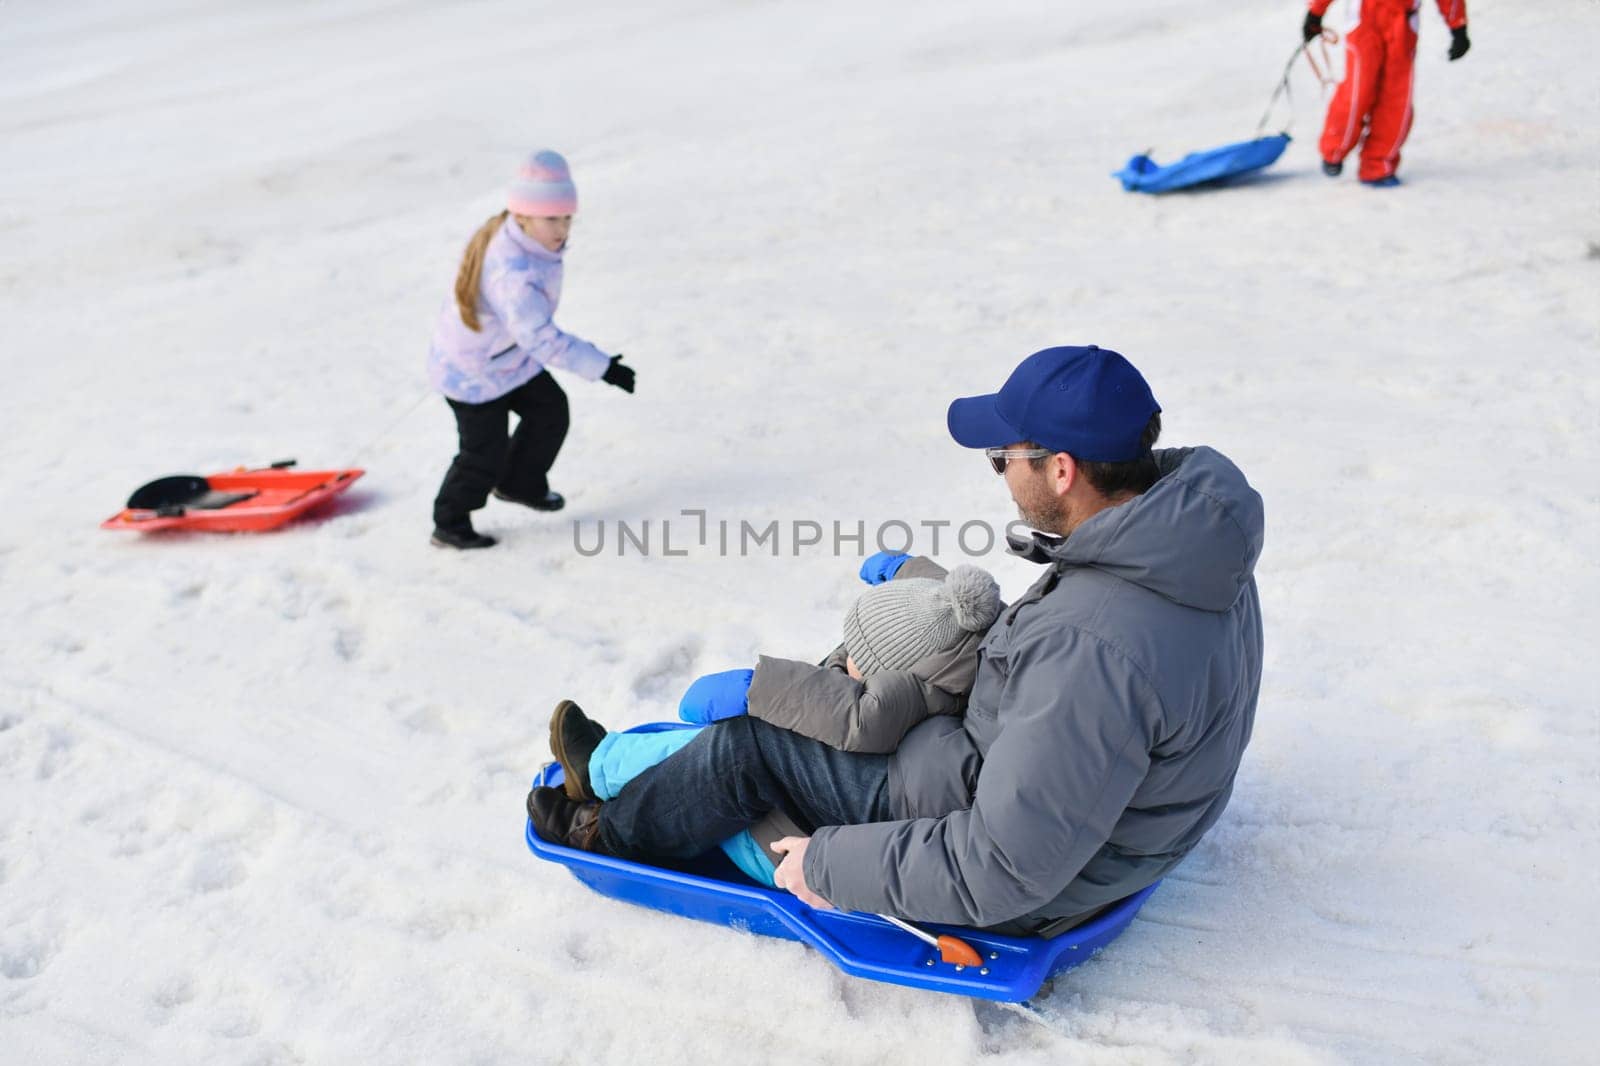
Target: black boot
551, 501
573, 738
560, 820
461, 538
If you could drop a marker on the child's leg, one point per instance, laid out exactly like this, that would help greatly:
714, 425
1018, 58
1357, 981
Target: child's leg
747, 855
481, 428
1391, 111
1352, 101
620, 757
541, 406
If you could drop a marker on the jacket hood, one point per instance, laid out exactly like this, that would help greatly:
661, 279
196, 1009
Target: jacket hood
1194, 537
953, 668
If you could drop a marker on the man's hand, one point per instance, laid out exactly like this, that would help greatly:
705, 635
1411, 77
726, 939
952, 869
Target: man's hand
1458, 43
1311, 28
791, 873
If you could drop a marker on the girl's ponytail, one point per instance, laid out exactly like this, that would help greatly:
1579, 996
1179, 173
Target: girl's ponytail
472, 270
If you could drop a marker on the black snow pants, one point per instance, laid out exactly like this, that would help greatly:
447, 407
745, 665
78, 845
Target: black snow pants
489, 459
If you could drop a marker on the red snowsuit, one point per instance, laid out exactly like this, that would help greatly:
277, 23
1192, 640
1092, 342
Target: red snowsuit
1376, 92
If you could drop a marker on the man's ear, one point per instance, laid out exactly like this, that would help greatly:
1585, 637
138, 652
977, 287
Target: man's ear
1063, 472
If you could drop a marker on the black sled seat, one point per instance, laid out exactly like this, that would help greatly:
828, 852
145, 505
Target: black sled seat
174, 495
242, 500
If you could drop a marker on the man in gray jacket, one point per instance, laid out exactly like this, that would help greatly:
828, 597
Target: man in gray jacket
1110, 709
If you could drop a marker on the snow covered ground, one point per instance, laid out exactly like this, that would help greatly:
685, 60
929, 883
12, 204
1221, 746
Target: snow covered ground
261, 796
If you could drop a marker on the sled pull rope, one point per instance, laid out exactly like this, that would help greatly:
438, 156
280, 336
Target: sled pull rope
1282, 90
1325, 80
394, 424
1327, 37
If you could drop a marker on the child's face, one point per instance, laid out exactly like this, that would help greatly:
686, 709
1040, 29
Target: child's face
851, 668
549, 230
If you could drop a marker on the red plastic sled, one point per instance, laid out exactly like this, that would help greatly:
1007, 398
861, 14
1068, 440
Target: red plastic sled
235, 502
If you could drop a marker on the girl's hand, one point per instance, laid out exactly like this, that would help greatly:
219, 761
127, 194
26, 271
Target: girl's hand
619, 375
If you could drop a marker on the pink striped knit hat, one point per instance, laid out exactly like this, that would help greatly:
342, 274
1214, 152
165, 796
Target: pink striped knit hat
543, 187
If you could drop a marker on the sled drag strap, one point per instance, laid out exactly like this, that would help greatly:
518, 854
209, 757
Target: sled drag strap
1282, 90
1322, 72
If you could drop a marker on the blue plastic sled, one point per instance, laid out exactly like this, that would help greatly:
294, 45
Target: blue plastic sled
713, 890
1143, 174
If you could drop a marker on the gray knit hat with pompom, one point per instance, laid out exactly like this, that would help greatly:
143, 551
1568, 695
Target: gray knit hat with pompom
897, 624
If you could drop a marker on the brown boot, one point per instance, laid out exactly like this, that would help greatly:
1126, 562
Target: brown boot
573, 738
560, 820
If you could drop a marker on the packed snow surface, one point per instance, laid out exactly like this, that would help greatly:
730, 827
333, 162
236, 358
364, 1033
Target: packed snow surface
261, 795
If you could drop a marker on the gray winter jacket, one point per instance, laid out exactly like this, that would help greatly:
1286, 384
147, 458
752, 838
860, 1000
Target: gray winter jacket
1111, 707
871, 715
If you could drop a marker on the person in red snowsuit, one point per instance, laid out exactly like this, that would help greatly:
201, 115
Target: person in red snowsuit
1375, 96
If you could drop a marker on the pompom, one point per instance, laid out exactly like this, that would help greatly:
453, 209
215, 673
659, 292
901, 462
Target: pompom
974, 597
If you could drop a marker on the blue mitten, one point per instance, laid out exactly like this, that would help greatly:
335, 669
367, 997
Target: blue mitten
882, 566
717, 696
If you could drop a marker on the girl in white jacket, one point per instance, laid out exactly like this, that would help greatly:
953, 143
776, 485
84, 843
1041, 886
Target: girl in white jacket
494, 340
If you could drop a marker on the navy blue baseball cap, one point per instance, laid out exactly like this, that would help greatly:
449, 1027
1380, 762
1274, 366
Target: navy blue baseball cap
1089, 402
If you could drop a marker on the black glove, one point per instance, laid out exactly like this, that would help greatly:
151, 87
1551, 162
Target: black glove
1312, 28
618, 375
1458, 43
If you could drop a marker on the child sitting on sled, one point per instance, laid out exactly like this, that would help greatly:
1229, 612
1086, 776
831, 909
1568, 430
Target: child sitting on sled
910, 650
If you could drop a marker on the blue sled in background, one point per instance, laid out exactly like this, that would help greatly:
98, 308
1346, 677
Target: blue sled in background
711, 889
1143, 174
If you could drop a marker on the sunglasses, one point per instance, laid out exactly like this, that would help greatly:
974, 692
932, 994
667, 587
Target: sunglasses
999, 457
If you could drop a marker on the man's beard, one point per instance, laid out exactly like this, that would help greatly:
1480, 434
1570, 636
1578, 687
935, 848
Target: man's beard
1045, 512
